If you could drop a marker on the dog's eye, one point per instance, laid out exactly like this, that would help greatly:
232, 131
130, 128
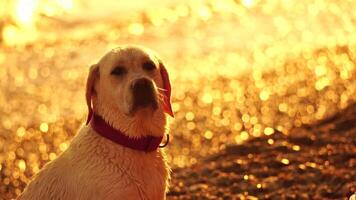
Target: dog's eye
119, 71
149, 66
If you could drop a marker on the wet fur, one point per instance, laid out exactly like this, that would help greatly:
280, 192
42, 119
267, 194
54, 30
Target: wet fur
96, 168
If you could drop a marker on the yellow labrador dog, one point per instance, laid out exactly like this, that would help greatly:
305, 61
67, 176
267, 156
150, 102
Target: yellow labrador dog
116, 154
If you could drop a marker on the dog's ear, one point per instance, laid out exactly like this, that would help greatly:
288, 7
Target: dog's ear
93, 74
167, 107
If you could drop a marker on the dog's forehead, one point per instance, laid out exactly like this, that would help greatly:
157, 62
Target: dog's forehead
129, 55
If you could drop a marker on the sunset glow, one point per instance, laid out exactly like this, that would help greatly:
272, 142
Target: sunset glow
254, 82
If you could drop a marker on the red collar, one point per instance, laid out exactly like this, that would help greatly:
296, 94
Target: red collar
146, 144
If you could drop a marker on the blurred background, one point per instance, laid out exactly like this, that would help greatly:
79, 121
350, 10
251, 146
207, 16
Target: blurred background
240, 69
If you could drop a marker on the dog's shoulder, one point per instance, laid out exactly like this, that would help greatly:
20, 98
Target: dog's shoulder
48, 183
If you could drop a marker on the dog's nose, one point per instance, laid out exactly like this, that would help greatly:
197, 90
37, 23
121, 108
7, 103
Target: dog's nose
143, 93
142, 84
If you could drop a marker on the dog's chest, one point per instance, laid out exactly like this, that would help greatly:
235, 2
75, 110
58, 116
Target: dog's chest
143, 178
116, 171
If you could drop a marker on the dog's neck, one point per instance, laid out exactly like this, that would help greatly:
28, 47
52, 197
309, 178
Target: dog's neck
134, 127
146, 144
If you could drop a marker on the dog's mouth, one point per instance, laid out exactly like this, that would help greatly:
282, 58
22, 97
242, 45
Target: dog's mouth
144, 96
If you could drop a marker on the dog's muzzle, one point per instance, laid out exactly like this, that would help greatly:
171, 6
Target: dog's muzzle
144, 94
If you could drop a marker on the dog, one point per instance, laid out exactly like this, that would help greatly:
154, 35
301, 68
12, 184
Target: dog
116, 154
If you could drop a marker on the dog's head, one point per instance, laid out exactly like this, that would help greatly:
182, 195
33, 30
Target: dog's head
130, 89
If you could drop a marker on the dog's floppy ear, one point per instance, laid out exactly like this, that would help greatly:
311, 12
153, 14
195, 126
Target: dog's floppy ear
93, 74
167, 107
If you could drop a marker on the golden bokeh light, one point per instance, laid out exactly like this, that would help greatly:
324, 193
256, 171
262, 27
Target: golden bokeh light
285, 161
24, 13
24, 18
240, 70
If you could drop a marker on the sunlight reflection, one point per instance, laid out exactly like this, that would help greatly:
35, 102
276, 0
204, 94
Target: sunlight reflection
239, 70
24, 13
23, 17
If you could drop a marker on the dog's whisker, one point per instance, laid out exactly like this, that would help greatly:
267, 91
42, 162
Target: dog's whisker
161, 89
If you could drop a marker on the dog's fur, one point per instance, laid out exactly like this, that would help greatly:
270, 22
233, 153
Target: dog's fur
94, 167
